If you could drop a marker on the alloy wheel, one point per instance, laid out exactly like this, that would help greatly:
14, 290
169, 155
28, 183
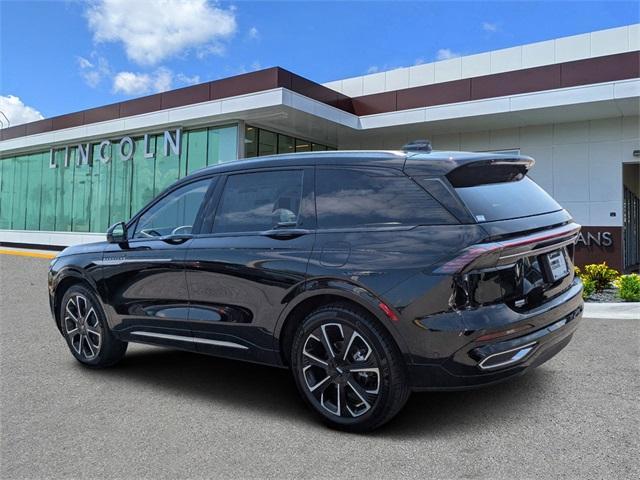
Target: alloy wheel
340, 370
82, 327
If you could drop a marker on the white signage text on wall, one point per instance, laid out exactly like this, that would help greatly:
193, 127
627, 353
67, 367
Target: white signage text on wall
123, 149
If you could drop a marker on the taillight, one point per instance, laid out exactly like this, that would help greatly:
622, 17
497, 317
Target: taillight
474, 252
466, 257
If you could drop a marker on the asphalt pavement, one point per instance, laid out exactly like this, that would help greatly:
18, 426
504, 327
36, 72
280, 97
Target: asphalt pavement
170, 414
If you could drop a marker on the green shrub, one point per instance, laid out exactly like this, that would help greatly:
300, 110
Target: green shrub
629, 286
588, 288
600, 273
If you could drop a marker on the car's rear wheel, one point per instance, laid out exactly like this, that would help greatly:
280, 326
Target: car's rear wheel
84, 326
348, 369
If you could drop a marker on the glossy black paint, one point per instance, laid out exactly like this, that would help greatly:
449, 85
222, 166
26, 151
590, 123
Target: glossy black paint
240, 295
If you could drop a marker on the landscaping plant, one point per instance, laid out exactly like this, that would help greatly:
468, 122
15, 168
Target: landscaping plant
600, 274
629, 287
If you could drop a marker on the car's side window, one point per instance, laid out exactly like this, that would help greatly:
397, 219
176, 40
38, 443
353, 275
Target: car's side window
259, 201
347, 198
175, 213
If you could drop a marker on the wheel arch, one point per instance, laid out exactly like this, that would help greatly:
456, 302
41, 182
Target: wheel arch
65, 280
307, 301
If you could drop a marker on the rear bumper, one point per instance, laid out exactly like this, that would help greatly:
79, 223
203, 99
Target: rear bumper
484, 363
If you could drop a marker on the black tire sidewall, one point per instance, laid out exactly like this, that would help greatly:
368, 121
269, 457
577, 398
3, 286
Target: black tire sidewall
108, 341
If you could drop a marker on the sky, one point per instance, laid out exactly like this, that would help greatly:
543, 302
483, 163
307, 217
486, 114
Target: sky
57, 57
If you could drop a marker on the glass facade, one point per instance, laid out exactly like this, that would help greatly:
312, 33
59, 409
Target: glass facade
259, 142
88, 197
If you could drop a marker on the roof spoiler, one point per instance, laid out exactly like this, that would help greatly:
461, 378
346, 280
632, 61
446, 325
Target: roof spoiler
467, 168
493, 170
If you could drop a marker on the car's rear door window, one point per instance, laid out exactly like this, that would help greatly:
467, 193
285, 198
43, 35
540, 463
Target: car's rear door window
259, 201
365, 198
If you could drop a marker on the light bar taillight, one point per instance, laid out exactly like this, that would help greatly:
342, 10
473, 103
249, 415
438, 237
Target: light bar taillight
467, 256
472, 253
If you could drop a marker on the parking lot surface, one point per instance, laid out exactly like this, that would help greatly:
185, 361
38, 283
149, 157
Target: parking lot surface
170, 414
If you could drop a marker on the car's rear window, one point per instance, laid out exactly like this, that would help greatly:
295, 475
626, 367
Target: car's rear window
503, 201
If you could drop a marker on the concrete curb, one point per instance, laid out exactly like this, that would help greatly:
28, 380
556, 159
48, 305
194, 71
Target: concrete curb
617, 311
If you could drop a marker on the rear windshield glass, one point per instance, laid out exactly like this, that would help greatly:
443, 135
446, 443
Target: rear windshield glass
502, 201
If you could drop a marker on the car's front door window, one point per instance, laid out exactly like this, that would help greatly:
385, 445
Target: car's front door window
174, 214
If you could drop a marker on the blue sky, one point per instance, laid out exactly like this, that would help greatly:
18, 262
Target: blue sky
62, 56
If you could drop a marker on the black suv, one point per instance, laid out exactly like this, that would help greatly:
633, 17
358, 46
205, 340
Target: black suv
370, 274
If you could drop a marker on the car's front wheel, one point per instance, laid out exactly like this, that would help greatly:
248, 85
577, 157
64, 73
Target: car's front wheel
84, 326
348, 368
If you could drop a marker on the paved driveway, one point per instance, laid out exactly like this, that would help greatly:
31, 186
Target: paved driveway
170, 414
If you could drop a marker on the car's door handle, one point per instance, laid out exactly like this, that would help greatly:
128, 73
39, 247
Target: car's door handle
177, 238
285, 233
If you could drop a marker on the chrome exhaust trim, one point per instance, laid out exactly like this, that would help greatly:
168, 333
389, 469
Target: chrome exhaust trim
520, 353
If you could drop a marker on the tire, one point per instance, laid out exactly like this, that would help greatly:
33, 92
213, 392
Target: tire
84, 326
348, 369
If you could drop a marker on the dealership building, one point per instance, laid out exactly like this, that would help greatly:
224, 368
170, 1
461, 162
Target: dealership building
572, 103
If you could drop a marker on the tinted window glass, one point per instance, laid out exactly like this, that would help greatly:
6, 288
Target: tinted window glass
359, 198
501, 201
259, 201
175, 213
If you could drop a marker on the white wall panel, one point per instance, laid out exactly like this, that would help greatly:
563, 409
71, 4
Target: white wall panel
605, 129
476, 65
450, 141
373, 83
536, 135
537, 54
421, 75
610, 41
630, 128
352, 87
447, 70
396, 79
506, 59
605, 171
475, 141
600, 213
574, 132
542, 171
573, 48
571, 172
634, 37
578, 210
505, 139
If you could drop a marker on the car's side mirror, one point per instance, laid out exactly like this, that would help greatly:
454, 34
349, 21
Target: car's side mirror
117, 233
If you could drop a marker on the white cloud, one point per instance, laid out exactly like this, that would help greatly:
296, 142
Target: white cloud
161, 80
489, 27
255, 65
93, 71
16, 111
254, 34
213, 49
446, 53
186, 80
131, 83
419, 61
373, 69
152, 30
